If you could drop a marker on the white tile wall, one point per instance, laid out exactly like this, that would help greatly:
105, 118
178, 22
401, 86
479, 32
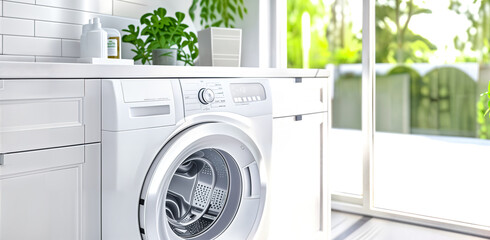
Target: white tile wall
129, 10
98, 6
136, 8
37, 12
31, 46
49, 30
58, 30
15, 26
70, 48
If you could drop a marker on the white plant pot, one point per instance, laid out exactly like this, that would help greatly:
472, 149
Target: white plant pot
220, 47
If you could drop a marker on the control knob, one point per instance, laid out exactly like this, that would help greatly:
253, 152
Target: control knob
206, 95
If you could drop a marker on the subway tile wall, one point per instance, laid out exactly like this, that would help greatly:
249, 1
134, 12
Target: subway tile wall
49, 30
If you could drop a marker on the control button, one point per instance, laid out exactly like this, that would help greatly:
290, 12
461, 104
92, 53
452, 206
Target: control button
206, 95
249, 99
258, 98
254, 98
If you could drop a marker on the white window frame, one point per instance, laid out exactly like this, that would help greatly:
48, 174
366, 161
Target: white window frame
364, 204
279, 34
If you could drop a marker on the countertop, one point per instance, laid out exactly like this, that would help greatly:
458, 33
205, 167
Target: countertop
14, 70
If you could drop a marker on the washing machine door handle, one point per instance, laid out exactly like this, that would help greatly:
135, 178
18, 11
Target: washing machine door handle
252, 186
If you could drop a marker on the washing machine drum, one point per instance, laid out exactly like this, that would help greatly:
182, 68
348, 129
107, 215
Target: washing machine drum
204, 184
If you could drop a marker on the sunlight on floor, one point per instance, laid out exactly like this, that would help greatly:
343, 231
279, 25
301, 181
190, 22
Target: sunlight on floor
347, 226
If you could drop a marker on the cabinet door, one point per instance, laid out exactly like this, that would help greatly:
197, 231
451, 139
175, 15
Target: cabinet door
40, 194
297, 193
40, 113
292, 96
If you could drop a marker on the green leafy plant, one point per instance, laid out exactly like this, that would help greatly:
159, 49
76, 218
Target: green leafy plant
218, 13
488, 102
161, 31
483, 108
190, 41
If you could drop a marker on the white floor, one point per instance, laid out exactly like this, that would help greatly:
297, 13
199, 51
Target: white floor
352, 227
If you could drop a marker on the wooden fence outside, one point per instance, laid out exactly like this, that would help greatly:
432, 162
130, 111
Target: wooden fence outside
442, 102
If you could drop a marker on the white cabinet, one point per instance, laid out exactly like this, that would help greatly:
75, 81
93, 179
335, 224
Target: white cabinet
299, 198
50, 159
45, 113
91, 193
293, 96
40, 194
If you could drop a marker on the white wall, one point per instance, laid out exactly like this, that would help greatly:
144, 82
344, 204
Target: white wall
49, 30
259, 33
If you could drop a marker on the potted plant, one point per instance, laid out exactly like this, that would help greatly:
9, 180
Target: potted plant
163, 39
219, 41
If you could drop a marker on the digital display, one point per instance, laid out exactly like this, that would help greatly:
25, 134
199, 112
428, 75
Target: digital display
247, 92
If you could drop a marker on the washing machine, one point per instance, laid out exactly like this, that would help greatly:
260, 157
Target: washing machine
185, 158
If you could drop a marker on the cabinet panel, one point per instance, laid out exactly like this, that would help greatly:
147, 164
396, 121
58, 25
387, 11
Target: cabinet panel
41, 194
41, 206
91, 195
292, 96
37, 114
14, 89
299, 209
25, 162
92, 110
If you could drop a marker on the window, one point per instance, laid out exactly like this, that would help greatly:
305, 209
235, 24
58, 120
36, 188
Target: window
413, 145
430, 153
327, 34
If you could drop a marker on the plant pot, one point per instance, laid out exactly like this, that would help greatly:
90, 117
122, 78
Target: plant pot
220, 47
164, 56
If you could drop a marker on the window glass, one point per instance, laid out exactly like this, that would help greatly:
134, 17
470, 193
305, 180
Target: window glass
327, 34
430, 149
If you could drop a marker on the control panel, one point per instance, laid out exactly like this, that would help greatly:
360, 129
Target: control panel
203, 94
242, 96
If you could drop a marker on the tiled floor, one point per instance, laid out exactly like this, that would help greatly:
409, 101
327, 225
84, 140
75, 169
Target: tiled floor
354, 227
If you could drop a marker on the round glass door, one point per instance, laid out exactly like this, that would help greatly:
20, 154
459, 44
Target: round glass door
201, 183
198, 192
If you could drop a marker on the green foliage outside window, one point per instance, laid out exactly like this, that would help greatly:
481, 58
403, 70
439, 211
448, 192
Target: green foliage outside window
395, 42
483, 108
318, 57
333, 40
478, 33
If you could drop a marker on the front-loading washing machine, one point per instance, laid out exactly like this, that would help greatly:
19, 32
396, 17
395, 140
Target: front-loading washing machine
185, 159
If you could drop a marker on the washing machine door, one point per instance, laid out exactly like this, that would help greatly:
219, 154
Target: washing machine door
206, 183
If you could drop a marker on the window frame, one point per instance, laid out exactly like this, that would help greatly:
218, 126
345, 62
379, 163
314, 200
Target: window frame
364, 204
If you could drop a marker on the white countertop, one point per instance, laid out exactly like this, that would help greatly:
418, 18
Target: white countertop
80, 70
